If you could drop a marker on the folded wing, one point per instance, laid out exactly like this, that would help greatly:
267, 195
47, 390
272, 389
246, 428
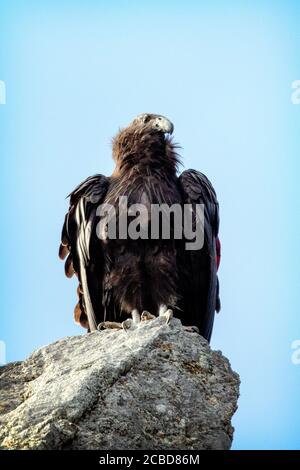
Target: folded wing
82, 249
198, 268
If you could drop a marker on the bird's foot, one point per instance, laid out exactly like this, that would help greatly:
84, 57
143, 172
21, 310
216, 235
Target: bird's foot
168, 315
109, 325
192, 329
132, 322
136, 319
128, 324
166, 312
147, 316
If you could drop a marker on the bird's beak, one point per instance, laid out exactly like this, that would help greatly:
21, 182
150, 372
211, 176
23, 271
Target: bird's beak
163, 124
171, 128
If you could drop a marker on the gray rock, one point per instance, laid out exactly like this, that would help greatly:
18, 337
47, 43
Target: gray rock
155, 387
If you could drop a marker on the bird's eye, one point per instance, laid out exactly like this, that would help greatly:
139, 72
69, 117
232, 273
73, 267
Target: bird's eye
146, 118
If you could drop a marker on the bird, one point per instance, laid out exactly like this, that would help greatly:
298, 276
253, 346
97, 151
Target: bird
125, 280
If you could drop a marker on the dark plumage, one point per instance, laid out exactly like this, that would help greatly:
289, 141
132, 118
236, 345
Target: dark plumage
119, 276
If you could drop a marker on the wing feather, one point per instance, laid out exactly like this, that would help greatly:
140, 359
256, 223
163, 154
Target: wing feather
198, 268
78, 233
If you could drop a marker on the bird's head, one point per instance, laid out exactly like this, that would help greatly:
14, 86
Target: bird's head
145, 142
155, 122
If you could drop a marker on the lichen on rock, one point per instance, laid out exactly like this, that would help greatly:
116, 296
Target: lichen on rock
153, 387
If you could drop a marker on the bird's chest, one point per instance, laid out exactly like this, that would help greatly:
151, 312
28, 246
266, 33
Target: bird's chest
134, 208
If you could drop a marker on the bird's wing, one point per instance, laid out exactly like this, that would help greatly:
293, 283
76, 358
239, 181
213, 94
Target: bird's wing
198, 268
81, 246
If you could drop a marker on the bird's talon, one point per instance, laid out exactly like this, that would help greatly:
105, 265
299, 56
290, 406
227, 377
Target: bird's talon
109, 325
127, 324
168, 315
147, 316
192, 329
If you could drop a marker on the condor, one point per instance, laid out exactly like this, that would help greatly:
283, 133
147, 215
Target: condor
123, 281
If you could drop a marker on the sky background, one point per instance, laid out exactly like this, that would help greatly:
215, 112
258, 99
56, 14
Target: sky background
222, 72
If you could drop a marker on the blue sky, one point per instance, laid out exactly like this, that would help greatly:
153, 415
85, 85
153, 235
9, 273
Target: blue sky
222, 72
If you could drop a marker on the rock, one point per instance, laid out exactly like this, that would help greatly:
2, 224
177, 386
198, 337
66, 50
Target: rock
155, 387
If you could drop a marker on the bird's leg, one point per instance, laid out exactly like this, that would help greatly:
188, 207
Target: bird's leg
136, 317
109, 325
133, 321
147, 316
164, 311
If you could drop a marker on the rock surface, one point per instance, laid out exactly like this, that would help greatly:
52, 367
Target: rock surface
155, 387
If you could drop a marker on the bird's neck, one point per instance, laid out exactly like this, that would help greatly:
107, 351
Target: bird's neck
144, 154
